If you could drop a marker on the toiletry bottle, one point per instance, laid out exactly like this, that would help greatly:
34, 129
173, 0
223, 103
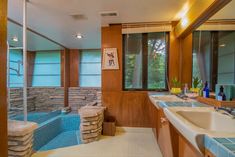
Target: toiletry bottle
206, 90
221, 96
185, 88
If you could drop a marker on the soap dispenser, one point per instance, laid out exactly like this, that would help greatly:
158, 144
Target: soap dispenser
221, 96
206, 90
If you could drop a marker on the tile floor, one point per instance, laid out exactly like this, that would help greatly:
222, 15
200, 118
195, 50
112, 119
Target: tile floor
128, 142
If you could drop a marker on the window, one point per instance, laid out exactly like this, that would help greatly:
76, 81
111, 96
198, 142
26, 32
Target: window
90, 69
16, 68
145, 61
47, 69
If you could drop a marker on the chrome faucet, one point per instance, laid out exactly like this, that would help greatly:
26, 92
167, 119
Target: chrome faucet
225, 111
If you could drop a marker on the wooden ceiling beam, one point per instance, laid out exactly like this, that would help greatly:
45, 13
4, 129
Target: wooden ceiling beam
199, 13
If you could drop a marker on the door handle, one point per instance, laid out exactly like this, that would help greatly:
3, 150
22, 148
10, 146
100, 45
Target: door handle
163, 120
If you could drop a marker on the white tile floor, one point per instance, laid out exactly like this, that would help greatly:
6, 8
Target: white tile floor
128, 142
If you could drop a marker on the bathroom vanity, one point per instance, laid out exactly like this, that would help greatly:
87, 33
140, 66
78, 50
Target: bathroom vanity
187, 128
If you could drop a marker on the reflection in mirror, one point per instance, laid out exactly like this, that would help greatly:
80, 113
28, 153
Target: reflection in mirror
43, 56
43, 68
214, 49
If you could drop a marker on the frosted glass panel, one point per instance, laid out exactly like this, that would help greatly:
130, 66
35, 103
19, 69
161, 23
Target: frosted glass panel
90, 69
47, 57
90, 81
16, 81
41, 81
16, 68
47, 69
90, 56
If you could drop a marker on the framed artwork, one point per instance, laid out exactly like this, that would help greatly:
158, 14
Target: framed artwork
110, 59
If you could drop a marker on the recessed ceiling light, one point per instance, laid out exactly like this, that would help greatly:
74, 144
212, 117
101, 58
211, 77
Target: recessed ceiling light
79, 36
222, 45
15, 39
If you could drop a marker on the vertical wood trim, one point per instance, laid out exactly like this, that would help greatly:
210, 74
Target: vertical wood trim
145, 60
66, 76
74, 68
3, 78
62, 68
186, 60
214, 59
174, 57
31, 59
78, 58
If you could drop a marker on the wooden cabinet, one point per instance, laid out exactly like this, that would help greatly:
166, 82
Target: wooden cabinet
186, 149
163, 132
170, 141
208, 154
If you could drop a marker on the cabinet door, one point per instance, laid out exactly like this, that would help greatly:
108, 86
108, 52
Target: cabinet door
164, 137
186, 149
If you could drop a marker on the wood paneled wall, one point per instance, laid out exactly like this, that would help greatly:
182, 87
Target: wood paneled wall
186, 58
130, 108
112, 38
174, 58
3, 78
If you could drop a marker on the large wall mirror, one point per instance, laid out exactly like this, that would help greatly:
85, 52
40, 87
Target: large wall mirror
44, 58
214, 48
43, 68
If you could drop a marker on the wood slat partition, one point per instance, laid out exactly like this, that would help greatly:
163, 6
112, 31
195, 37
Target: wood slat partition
3, 78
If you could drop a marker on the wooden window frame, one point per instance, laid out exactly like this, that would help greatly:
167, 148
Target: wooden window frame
145, 64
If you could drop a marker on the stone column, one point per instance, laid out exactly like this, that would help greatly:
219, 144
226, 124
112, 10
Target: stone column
91, 123
20, 138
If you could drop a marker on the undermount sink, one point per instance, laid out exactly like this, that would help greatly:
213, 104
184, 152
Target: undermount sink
155, 99
167, 98
210, 120
194, 123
